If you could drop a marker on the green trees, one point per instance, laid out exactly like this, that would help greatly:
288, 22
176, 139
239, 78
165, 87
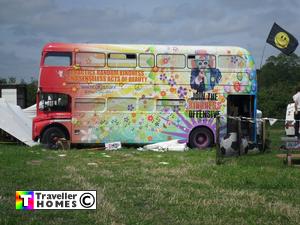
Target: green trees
277, 80
31, 91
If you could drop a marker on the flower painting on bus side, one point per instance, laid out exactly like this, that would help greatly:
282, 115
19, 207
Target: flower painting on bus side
183, 126
204, 76
148, 94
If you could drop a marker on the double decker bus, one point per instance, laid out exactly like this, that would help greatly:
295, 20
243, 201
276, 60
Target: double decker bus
98, 93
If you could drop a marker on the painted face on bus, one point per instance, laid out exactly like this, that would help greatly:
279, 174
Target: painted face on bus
202, 63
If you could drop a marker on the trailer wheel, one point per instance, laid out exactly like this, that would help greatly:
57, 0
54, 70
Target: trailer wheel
51, 136
201, 138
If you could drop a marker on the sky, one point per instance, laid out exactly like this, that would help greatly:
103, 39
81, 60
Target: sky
27, 25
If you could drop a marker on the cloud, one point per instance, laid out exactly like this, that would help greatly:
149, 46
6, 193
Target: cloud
19, 11
31, 41
27, 25
13, 66
77, 23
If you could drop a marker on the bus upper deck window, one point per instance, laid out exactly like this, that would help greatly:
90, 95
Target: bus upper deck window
146, 60
90, 59
170, 60
58, 59
125, 60
207, 60
231, 62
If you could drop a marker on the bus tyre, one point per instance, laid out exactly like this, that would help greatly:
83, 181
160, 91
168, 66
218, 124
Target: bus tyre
51, 136
201, 138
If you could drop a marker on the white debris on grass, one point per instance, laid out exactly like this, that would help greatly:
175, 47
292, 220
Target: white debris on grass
104, 155
92, 164
153, 149
173, 145
163, 163
62, 155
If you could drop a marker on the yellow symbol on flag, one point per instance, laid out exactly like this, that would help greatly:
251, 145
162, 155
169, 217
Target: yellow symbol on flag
282, 40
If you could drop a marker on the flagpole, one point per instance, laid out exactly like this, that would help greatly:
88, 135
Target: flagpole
263, 54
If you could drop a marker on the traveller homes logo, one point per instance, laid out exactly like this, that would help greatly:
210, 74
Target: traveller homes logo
32, 200
24, 200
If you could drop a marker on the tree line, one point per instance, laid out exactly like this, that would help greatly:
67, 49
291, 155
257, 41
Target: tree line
278, 80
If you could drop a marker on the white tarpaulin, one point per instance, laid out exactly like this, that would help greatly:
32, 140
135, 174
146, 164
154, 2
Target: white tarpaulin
15, 122
173, 145
30, 112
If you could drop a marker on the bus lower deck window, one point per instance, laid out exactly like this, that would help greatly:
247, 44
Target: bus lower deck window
54, 102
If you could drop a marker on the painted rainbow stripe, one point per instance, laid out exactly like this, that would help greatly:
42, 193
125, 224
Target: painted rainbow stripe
20, 201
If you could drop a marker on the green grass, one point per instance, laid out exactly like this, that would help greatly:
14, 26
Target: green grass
134, 188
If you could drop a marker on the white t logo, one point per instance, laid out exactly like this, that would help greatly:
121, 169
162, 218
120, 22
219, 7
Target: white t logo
25, 199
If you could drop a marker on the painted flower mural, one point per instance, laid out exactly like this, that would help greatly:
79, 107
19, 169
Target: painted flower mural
186, 125
163, 77
130, 107
172, 82
88, 135
182, 92
144, 117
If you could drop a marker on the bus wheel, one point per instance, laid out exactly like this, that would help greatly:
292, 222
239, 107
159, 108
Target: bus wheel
51, 136
201, 138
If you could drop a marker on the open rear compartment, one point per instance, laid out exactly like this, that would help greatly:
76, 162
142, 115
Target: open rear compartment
242, 106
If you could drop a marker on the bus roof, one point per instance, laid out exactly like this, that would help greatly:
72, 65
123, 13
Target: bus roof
184, 49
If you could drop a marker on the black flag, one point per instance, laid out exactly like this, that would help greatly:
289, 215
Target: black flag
282, 40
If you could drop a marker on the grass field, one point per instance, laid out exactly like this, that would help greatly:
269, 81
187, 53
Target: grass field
136, 188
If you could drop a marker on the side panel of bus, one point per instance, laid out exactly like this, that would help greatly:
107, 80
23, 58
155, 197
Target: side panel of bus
162, 101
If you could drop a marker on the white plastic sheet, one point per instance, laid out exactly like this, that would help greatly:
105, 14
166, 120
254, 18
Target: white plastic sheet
173, 145
15, 122
30, 112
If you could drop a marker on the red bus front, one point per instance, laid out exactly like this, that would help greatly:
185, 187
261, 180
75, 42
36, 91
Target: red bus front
54, 100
